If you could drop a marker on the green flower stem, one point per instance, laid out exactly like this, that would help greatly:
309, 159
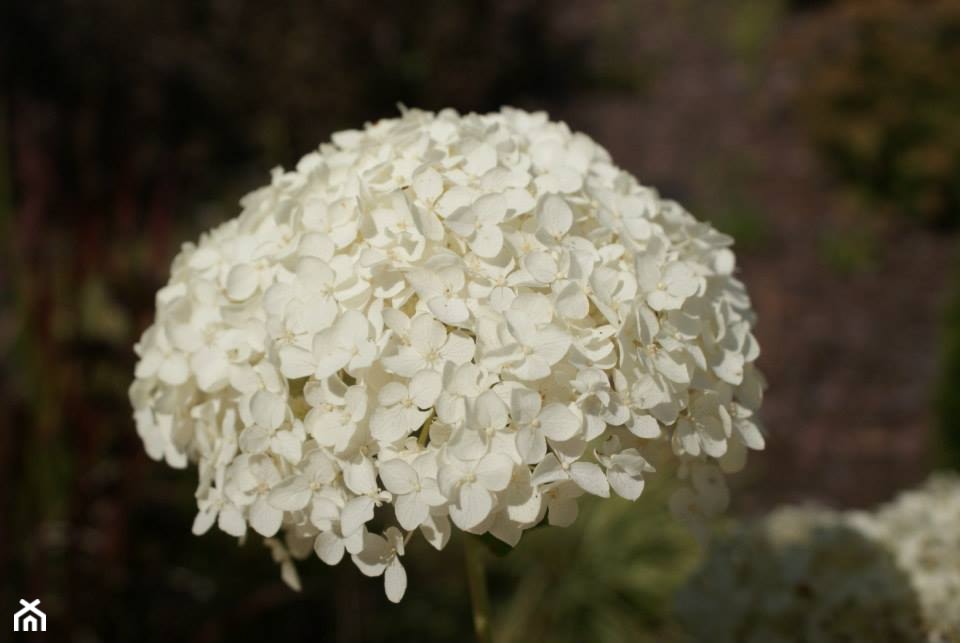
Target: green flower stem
477, 581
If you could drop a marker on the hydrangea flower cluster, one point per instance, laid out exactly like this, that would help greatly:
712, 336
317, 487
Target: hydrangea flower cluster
446, 319
922, 529
812, 574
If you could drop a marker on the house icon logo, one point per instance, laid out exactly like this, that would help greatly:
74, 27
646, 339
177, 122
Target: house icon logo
30, 618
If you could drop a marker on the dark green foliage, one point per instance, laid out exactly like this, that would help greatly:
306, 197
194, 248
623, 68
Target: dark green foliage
849, 249
881, 107
948, 395
610, 577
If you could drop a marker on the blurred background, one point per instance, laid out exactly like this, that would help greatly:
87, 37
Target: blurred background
823, 135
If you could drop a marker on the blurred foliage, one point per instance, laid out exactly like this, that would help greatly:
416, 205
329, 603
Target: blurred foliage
880, 107
609, 578
848, 249
751, 26
725, 195
211, 85
609, 64
948, 393
748, 226
809, 5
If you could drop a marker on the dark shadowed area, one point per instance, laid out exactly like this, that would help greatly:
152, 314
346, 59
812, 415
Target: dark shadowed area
823, 135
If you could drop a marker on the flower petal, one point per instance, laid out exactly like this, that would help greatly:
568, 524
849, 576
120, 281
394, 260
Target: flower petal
267, 409
425, 388
265, 518
590, 477
395, 581
356, 513
473, 507
398, 477
494, 471
329, 547
411, 511
231, 521
558, 422
555, 216
292, 494
562, 512
242, 282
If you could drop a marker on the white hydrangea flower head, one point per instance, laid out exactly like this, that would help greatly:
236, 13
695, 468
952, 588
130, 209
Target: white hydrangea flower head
820, 575
446, 319
922, 528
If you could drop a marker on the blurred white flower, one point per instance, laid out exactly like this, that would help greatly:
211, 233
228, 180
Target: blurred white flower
821, 576
474, 319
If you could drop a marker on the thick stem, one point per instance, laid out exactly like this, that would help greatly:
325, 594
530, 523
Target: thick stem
477, 581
